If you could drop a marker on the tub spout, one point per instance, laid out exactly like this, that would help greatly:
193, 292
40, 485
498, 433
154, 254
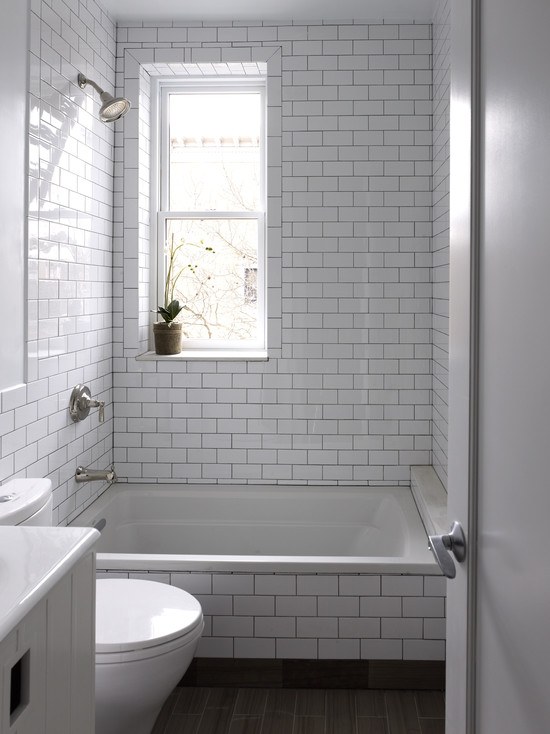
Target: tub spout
83, 474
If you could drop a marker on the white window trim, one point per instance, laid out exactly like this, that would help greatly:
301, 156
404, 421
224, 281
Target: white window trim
206, 349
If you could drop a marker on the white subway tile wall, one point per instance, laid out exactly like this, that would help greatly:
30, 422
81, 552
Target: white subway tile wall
440, 241
346, 395
69, 257
311, 616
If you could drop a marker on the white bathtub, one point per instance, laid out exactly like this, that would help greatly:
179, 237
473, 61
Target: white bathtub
259, 529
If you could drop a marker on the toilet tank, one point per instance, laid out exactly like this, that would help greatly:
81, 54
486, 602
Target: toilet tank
26, 502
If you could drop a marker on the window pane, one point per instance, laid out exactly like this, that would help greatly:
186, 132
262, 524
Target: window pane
214, 152
216, 285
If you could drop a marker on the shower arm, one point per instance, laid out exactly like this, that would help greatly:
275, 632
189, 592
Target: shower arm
83, 81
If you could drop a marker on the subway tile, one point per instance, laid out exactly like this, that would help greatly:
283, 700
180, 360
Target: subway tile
346, 606
229, 583
215, 603
317, 627
279, 584
434, 629
227, 626
435, 586
339, 649
401, 628
360, 628
383, 606
296, 649
381, 649
254, 647
194, 583
317, 585
423, 650
296, 606
427, 606
254, 605
275, 627
402, 585
215, 647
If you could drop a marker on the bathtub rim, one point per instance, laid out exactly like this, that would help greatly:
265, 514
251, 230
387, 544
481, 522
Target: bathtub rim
340, 565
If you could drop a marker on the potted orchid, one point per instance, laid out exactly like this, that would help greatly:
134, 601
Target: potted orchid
168, 332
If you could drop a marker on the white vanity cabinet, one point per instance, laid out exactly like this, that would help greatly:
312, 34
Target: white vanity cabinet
47, 636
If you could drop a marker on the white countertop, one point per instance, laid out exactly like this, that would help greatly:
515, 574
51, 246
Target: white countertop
32, 561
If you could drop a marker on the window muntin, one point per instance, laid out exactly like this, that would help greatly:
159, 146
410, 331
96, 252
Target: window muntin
212, 195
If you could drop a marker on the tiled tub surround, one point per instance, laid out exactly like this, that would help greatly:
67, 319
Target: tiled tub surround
70, 213
314, 616
312, 607
346, 394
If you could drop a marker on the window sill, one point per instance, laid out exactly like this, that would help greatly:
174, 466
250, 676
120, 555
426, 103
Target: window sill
220, 355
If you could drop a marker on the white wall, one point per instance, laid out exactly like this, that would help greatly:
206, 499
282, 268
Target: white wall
69, 256
346, 395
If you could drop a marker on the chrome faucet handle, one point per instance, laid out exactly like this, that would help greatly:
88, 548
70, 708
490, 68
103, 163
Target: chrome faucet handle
80, 403
101, 405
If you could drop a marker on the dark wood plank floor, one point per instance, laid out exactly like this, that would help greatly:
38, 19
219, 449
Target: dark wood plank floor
286, 711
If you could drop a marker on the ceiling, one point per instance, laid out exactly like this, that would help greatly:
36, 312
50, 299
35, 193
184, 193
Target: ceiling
269, 10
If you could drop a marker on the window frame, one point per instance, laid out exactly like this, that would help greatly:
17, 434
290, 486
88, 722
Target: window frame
160, 200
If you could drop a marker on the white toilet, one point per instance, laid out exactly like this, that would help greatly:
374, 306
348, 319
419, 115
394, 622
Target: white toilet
146, 632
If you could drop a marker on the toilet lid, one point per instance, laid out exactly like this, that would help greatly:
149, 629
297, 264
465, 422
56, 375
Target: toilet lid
21, 498
132, 614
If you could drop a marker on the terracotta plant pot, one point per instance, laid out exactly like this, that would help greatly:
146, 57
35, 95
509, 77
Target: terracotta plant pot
167, 337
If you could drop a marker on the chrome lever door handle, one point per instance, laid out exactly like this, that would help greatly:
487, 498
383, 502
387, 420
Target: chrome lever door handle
443, 545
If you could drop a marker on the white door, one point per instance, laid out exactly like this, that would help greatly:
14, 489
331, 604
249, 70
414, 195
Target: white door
499, 472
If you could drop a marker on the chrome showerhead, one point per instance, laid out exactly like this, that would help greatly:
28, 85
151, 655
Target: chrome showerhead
113, 108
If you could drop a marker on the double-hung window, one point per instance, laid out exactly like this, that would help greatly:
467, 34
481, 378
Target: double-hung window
211, 211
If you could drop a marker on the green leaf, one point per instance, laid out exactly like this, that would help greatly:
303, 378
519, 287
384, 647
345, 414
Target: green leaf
170, 312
